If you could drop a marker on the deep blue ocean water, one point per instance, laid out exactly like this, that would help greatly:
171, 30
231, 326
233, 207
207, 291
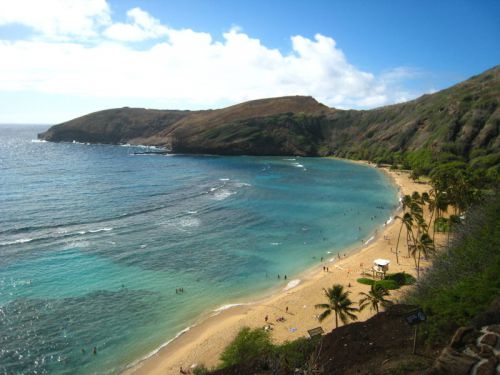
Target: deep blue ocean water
95, 240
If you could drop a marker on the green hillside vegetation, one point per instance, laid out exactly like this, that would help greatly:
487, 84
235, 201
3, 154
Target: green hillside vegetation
463, 280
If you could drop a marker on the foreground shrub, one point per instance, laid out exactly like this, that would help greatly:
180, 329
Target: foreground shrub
248, 345
294, 354
201, 370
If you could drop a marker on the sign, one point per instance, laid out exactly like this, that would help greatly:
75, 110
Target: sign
416, 317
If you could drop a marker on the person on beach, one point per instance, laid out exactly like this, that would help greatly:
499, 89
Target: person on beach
266, 318
286, 310
95, 350
285, 277
278, 276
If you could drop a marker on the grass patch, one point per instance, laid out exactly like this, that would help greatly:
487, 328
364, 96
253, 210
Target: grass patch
387, 284
364, 280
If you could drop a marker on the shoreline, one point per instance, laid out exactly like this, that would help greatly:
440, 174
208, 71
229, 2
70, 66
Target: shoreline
202, 342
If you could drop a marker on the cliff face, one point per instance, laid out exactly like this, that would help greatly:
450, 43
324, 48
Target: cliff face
465, 117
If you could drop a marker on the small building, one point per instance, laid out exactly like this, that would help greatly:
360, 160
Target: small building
380, 267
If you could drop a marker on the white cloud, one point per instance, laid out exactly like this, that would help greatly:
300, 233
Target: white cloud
184, 66
141, 27
57, 18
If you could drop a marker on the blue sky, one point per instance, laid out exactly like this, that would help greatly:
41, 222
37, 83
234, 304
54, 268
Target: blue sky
65, 58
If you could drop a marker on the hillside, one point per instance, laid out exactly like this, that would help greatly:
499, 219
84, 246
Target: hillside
462, 120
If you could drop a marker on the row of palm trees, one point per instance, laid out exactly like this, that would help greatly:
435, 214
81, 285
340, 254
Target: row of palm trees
418, 240
340, 303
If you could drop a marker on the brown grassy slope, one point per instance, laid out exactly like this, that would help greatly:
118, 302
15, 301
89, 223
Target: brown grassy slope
114, 126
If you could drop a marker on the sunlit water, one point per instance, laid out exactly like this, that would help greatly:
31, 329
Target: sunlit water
95, 240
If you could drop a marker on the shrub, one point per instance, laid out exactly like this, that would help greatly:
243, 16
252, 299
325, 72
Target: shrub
201, 370
402, 278
386, 284
247, 346
293, 354
364, 280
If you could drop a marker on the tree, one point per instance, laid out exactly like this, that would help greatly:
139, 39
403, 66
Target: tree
338, 302
405, 202
249, 344
425, 247
374, 298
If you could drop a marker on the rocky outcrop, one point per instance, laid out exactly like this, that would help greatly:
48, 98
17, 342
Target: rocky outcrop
473, 350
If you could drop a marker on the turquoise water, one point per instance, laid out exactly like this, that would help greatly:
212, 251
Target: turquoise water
95, 240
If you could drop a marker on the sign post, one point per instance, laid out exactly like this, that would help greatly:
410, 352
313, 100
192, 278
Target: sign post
414, 318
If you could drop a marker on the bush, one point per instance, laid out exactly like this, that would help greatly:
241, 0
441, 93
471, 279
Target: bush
200, 370
295, 353
248, 345
402, 278
386, 284
364, 280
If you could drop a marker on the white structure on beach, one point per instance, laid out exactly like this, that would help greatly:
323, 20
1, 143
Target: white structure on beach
381, 266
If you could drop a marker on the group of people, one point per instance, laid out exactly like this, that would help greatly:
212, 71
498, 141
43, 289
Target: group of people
179, 290
279, 277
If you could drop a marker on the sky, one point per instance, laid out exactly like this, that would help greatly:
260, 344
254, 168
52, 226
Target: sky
60, 59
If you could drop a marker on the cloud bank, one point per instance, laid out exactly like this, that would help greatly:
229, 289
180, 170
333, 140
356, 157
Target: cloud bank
76, 48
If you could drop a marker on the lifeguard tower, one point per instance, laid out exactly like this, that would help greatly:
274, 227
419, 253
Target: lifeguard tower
380, 267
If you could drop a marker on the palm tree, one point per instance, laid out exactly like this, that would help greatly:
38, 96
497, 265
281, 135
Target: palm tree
405, 202
338, 302
407, 221
374, 298
424, 247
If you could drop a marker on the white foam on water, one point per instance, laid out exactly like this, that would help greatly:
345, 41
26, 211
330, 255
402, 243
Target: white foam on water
390, 220
275, 243
38, 141
14, 242
290, 159
153, 352
222, 194
189, 222
73, 244
292, 284
224, 179
298, 165
100, 230
369, 240
228, 306
241, 184
192, 212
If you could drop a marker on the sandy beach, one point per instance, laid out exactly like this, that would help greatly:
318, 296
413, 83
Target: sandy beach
203, 343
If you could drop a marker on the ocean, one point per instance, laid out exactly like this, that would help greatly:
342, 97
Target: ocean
95, 240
